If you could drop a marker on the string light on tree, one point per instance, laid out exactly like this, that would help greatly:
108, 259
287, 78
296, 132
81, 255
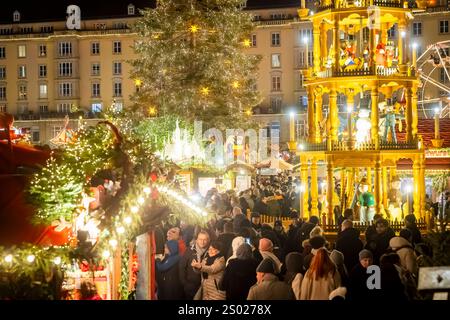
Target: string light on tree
193, 28
9, 258
204, 91
31, 258
247, 43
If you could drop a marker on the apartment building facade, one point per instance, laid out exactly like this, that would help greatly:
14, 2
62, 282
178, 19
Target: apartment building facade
48, 70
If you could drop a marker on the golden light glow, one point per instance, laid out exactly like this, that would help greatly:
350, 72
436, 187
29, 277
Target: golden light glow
205, 91
193, 28
248, 112
155, 36
152, 110
247, 43
138, 82
236, 84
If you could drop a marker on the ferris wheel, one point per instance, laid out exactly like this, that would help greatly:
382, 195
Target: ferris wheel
433, 66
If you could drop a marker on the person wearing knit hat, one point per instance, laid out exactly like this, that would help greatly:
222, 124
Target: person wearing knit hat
357, 287
338, 294
338, 258
266, 251
316, 243
268, 286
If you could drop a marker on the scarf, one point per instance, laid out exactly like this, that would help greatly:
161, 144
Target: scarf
270, 255
209, 261
199, 252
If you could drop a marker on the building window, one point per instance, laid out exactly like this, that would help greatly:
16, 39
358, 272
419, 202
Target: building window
276, 83
100, 26
256, 17
42, 70
57, 129
276, 60
301, 129
417, 28
3, 108
443, 26
95, 90
65, 69
43, 109
2, 72
391, 32
96, 107
120, 25
253, 42
276, 39
275, 104
16, 16
131, 9
95, 48
95, 69
117, 89
62, 108
305, 34
43, 91
3, 93
22, 92
117, 68
2, 52
65, 89
65, 49
117, 47
22, 51
46, 29
22, 72
35, 136
42, 50
24, 30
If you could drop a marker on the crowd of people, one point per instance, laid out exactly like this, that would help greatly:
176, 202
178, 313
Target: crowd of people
235, 257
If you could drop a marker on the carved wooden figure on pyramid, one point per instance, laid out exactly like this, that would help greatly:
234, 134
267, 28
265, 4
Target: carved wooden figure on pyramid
366, 201
395, 199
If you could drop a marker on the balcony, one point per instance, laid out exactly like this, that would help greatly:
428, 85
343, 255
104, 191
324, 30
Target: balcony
360, 72
30, 116
343, 145
347, 4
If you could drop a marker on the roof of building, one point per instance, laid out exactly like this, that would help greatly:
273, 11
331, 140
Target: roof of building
425, 127
51, 10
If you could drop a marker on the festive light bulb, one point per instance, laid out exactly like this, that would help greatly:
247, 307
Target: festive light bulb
235, 84
9, 258
106, 254
31, 258
141, 200
120, 230
134, 209
57, 261
138, 82
193, 28
127, 220
113, 243
247, 43
301, 146
147, 190
152, 111
205, 91
248, 112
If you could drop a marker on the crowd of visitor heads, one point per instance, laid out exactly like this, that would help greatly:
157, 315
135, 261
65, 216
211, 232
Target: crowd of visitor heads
235, 257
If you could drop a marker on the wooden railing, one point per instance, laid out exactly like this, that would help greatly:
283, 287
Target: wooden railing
395, 225
398, 145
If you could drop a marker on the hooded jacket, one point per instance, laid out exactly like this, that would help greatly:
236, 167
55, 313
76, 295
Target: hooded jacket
406, 253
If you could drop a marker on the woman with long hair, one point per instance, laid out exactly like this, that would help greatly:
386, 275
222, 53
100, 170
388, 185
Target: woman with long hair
321, 278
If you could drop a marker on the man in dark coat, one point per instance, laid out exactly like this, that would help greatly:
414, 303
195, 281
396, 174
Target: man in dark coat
291, 244
189, 278
410, 224
379, 243
226, 238
357, 287
349, 243
305, 229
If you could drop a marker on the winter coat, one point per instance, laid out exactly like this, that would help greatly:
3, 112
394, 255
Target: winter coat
408, 258
312, 289
211, 278
392, 288
304, 231
238, 278
237, 221
270, 288
350, 245
291, 243
167, 277
416, 236
189, 278
226, 239
357, 287
379, 244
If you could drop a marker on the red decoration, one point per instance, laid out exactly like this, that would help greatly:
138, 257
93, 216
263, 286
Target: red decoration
153, 176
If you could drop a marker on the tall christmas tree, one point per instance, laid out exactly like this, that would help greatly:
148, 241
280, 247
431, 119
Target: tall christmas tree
191, 61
